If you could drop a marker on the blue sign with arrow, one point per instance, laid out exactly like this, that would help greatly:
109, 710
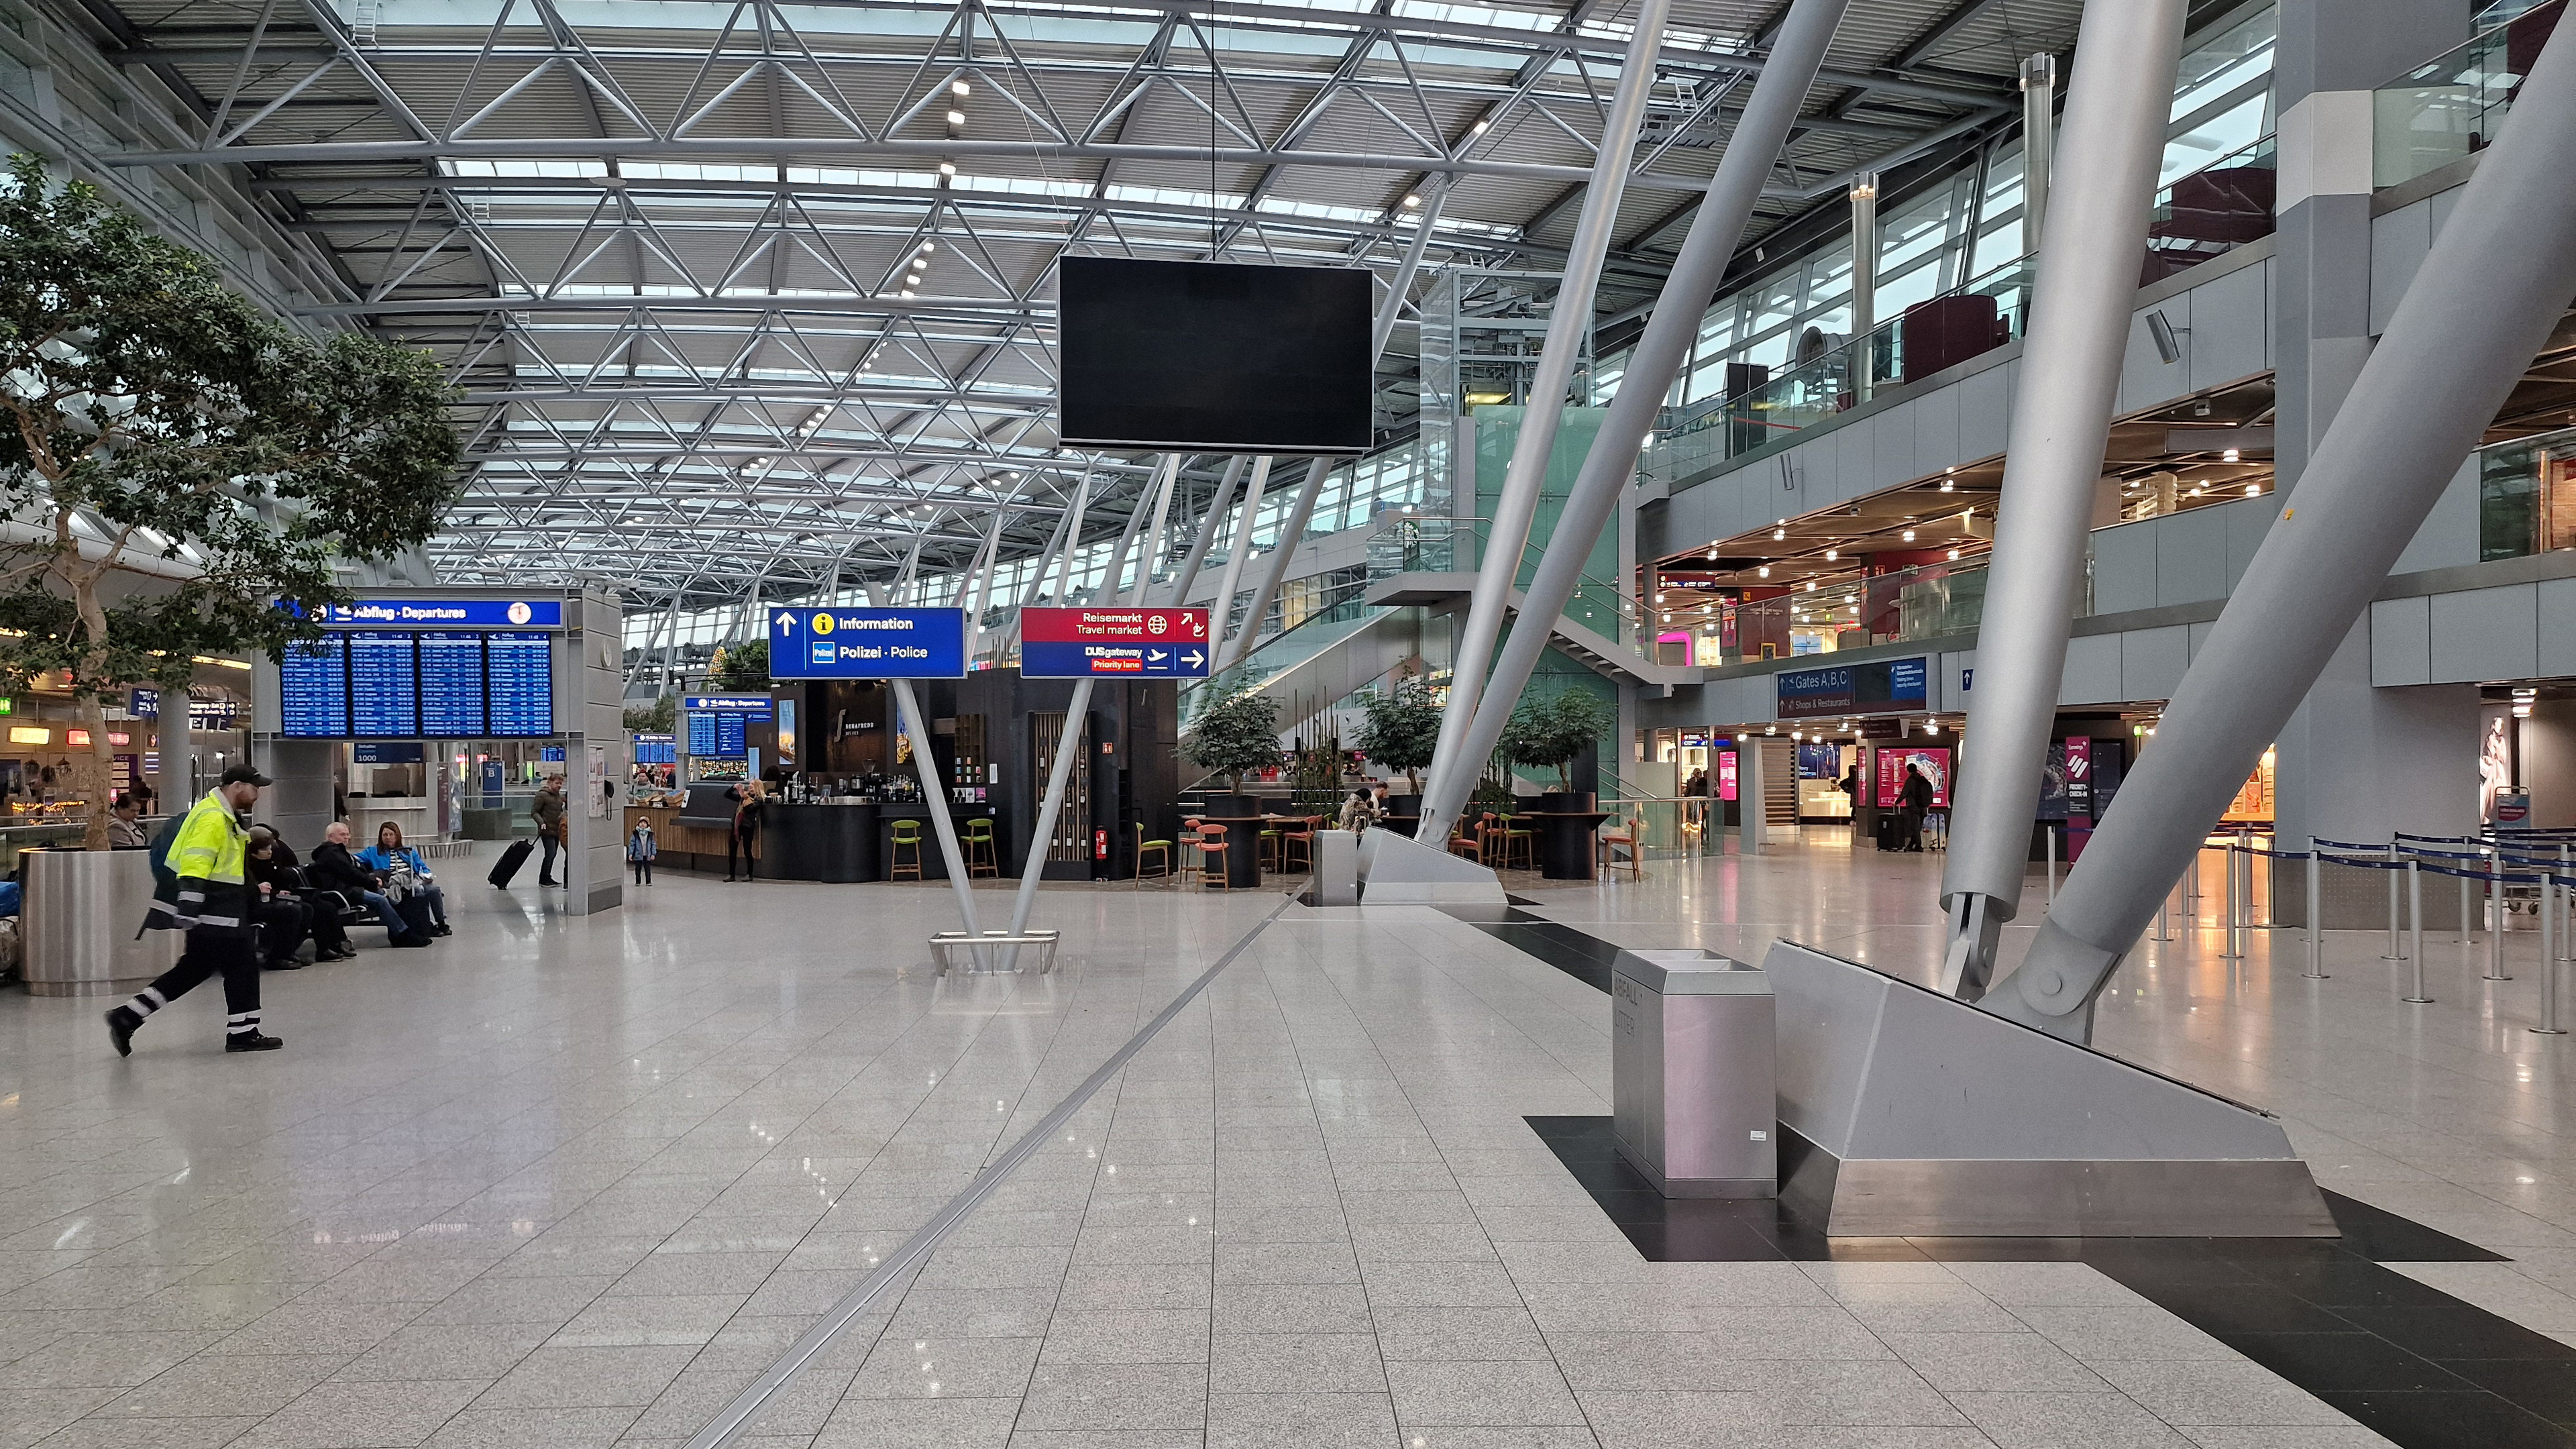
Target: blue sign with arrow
867, 643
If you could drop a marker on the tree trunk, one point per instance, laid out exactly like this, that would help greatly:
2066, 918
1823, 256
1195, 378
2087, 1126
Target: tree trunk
100, 770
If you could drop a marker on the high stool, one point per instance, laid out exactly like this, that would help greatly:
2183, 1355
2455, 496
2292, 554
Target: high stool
907, 833
1146, 847
1301, 839
1509, 838
978, 862
1270, 838
1213, 873
1193, 859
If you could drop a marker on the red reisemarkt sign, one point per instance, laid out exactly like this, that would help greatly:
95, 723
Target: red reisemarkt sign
1135, 643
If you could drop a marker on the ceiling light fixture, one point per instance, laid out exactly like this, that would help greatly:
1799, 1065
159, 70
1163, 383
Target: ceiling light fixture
1909, 535
1763, 572
957, 118
960, 88
947, 168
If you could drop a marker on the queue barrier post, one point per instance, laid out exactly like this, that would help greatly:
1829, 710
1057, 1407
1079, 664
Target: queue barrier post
2394, 952
2548, 963
2316, 923
2566, 907
2050, 832
2495, 916
2415, 902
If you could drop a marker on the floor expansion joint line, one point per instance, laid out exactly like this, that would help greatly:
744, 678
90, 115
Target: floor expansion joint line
745, 1410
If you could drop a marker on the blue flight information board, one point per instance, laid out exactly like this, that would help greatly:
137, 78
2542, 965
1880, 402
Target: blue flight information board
451, 686
313, 692
521, 668
384, 687
867, 644
718, 736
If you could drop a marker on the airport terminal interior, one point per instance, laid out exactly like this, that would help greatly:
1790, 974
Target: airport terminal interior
1004, 724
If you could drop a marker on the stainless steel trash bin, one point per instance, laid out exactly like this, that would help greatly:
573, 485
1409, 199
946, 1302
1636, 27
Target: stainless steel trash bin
1337, 868
1692, 1096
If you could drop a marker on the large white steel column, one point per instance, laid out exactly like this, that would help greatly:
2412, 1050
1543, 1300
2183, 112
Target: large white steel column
1688, 288
934, 792
1208, 525
1227, 582
2497, 280
1507, 535
2117, 102
2038, 144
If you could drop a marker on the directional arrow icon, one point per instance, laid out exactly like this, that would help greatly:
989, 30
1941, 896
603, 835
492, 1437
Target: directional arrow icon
1194, 658
786, 623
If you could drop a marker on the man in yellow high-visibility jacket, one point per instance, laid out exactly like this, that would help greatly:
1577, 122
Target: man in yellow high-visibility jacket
198, 887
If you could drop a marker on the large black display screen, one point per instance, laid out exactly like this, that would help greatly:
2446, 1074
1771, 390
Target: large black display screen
1214, 356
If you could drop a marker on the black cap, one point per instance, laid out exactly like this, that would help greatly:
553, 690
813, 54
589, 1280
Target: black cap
245, 775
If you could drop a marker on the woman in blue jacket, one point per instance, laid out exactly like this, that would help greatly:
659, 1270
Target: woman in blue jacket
388, 853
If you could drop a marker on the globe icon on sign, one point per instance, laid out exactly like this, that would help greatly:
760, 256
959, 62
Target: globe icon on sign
521, 613
1155, 624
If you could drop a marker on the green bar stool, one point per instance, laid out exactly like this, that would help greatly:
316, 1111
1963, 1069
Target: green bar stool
1146, 847
907, 836
977, 846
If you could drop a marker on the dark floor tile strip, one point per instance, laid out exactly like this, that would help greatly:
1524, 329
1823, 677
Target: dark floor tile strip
2415, 1365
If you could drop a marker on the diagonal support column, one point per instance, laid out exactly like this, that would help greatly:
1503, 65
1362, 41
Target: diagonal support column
1498, 569
1759, 134
2495, 283
2126, 56
1223, 608
934, 793
1215, 519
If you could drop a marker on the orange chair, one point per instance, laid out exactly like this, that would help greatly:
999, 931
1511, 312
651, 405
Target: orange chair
1468, 841
1629, 836
1212, 842
1300, 839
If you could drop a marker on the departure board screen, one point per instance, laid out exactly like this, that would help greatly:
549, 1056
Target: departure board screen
384, 687
718, 735
313, 689
451, 686
521, 669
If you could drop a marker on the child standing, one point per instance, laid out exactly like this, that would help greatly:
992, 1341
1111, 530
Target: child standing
640, 851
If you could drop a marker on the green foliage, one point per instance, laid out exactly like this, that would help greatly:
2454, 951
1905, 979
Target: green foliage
657, 718
741, 666
1551, 733
1235, 732
1402, 727
141, 393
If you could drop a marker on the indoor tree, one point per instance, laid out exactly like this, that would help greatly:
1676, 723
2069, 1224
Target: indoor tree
742, 666
152, 413
1400, 728
1552, 733
1237, 731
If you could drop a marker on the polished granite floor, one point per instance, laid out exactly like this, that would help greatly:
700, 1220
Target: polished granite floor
578, 1182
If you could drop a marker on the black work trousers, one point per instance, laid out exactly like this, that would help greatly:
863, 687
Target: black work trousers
742, 845
233, 953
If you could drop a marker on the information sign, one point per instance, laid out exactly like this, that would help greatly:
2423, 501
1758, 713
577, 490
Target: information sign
446, 614
451, 686
140, 703
1114, 643
867, 644
757, 706
384, 690
521, 668
313, 689
1883, 686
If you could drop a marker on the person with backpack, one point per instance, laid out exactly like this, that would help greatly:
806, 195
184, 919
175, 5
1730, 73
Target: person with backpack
199, 886
640, 851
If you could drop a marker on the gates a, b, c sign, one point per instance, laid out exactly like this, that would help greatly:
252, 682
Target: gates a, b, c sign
1114, 643
867, 644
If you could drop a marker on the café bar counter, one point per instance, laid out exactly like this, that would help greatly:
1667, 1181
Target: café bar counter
839, 842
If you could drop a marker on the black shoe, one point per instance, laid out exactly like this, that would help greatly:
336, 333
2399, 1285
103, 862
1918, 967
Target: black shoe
122, 1023
541, 880
283, 963
440, 930
251, 1041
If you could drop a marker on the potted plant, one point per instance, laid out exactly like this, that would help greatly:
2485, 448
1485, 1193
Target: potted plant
1235, 732
195, 470
1553, 733
1402, 726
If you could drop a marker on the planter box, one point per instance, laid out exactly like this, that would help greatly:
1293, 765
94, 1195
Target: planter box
82, 908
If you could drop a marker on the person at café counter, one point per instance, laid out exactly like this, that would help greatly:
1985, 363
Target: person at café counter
744, 837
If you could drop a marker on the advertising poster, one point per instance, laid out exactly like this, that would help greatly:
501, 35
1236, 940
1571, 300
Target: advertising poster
1935, 762
1726, 774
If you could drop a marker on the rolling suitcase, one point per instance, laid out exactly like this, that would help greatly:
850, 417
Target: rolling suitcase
414, 910
510, 861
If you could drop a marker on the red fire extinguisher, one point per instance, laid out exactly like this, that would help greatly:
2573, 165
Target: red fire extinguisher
1100, 845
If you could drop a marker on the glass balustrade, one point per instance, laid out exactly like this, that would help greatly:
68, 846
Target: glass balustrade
2527, 496
2204, 215
2454, 104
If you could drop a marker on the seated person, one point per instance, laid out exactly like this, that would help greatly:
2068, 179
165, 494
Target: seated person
125, 825
334, 869
389, 859
282, 919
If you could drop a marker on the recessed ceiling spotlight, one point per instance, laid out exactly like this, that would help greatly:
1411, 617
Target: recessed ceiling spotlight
1832, 554
947, 168
1763, 572
1909, 535
1779, 533
2230, 456
1949, 487
1954, 555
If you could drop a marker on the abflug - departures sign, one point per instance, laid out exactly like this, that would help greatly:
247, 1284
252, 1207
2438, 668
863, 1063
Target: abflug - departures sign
446, 613
1882, 686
